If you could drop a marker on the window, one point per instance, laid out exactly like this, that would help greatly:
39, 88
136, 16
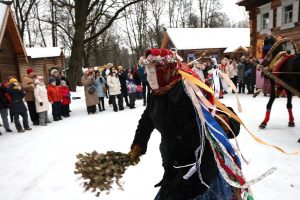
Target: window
265, 21
288, 14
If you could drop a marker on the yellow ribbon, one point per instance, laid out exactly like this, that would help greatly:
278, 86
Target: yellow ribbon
225, 109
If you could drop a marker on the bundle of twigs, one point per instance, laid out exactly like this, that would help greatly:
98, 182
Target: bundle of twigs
100, 170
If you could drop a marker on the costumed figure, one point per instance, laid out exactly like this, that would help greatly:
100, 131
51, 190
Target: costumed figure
199, 161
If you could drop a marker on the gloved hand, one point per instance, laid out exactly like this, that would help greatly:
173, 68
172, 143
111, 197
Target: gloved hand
134, 154
41, 103
225, 118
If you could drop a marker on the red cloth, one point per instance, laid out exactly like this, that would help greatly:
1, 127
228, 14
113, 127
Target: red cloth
66, 100
54, 93
282, 61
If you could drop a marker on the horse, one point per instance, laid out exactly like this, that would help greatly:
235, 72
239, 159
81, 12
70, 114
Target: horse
289, 73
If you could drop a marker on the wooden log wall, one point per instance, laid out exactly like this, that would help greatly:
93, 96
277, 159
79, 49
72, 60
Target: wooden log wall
257, 38
8, 59
41, 66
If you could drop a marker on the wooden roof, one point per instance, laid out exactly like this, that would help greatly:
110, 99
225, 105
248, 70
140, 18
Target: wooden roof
252, 3
7, 23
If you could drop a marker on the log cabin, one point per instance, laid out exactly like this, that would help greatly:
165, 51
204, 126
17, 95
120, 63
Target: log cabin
281, 17
15, 58
216, 42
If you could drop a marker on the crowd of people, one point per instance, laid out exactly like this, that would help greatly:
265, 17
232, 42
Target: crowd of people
115, 83
38, 96
118, 84
242, 72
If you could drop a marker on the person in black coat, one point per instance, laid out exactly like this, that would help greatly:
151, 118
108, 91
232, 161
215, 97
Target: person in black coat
4, 107
123, 77
171, 112
17, 105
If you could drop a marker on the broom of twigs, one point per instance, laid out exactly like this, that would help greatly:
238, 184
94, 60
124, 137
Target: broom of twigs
99, 171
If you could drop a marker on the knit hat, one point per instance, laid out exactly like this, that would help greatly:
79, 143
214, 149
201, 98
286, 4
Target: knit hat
13, 80
29, 70
51, 80
53, 71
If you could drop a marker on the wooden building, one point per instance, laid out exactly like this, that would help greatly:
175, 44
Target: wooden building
216, 42
281, 17
15, 58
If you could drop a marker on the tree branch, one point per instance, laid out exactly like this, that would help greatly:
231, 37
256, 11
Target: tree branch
111, 20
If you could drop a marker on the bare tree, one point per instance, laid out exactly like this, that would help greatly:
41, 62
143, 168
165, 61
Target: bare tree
23, 9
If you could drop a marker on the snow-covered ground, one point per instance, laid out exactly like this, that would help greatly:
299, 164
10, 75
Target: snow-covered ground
39, 164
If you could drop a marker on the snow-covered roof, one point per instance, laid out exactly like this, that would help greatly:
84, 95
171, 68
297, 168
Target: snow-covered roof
3, 9
207, 38
232, 49
43, 52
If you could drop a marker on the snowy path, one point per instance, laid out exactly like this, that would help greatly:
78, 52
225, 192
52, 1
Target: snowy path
39, 164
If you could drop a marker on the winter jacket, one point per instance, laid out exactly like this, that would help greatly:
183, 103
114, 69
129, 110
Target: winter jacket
250, 73
41, 95
123, 77
114, 85
66, 96
54, 93
90, 99
17, 103
173, 115
5, 99
100, 85
27, 86
241, 72
232, 71
142, 74
131, 86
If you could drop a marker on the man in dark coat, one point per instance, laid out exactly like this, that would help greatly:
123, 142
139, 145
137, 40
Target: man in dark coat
171, 112
250, 75
122, 73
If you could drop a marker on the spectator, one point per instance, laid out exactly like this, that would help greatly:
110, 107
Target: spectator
55, 98
18, 107
54, 73
143, 77
131, 88
28, 86
198, 69
41, 100
123, 77
114, 85
233, 72
241, 74
91, 96
101, 90
66, 99
5, 102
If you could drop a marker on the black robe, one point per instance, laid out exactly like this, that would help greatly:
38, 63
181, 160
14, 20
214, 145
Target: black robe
173, 115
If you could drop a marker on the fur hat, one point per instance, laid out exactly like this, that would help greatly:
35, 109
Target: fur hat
29, 70
53, 71
13, 80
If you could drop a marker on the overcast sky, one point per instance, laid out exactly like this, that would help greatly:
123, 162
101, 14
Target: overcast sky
234, 12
